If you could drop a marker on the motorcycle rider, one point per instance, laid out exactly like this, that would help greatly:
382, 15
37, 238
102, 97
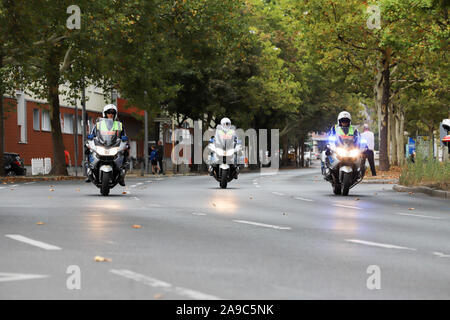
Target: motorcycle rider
342, 128
110, 112
226, 126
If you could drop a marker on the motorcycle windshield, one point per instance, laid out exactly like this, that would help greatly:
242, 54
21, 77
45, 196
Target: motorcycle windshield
345, 141
107, 135
224, 138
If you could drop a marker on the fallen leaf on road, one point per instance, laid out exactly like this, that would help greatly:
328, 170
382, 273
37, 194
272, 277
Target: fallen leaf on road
410, 192
357, 199
158, 296
136, 226
78, 190
124, 192
101, 259
39, 223
411, 209
214, 204
251, 198
52, 189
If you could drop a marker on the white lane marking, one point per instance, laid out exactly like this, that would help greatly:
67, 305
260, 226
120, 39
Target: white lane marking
377, 244
303, 199
15, 185
30, 182
262, 225
258, 186
159, 179
278, 193
136, 198
345, 206
4, 276
32, 242
139, 183
155, 283
155, 205
133, 186
417, 215
441, 255
149, 181
198, 214
2, 188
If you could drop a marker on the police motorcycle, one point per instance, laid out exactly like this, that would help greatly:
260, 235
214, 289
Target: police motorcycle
105, 167
224, 152
342, 163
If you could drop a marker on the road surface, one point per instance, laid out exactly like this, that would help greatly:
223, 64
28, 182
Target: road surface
283, 236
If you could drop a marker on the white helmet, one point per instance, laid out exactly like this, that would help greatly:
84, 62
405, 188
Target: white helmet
344, 115
446, 124
225, 123
110, 107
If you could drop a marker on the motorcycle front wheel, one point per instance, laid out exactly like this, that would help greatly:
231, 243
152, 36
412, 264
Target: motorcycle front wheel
347, 182
224, 179
104, 188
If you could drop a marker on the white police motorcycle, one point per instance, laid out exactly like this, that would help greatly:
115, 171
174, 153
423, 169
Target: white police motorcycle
224, 153
105, 166
342, 163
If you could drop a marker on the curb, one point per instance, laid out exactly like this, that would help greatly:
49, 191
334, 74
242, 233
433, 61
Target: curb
39, 178
428, 191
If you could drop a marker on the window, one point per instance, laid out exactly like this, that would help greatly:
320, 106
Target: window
68, 123
45, 114
36, 125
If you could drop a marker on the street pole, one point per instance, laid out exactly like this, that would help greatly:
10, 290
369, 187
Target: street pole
76, 137
146, 140
83, 121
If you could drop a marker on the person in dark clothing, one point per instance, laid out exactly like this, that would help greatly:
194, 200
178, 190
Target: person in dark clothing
154, 159
160, 157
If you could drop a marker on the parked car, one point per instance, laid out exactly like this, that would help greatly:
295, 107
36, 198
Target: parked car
13, 164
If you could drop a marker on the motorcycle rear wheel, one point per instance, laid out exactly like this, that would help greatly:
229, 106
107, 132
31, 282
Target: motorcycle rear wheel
337, 189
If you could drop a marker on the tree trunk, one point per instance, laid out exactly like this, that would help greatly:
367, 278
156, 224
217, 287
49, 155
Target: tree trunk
302, 152
2, 130
296, 154
59, 161
393, 133
382, 93
400, 126
285, 158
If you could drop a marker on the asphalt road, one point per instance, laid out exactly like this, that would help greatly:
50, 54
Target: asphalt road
283, 236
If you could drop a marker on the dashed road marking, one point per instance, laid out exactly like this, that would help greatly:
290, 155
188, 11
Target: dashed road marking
278, 193
417, 216
5, 276
262, 225
303, 199
377, 244
32, 242
345, 206
441, 255
155, 283
198, 214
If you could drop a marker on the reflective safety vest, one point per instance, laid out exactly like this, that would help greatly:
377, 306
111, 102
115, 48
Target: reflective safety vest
116, 128
340, 132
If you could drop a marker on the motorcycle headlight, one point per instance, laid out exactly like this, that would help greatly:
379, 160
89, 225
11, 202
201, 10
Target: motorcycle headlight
354, 153
341, 152
102, 151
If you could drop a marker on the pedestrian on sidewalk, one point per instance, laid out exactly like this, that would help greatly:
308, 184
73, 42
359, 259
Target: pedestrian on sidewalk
369, 152
154, 159
160, 150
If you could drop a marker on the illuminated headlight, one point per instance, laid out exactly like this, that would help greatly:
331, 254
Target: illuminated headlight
341, 152
354, 153
102, 151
